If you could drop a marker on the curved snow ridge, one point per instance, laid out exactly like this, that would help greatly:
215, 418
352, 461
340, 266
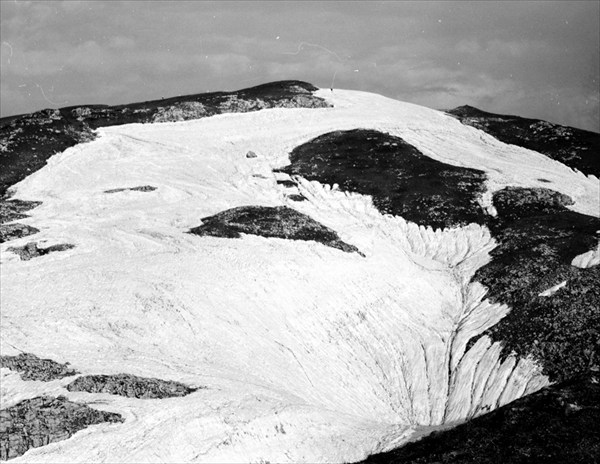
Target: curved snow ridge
449, 246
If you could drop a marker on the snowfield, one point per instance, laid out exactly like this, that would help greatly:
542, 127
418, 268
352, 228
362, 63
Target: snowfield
305, 353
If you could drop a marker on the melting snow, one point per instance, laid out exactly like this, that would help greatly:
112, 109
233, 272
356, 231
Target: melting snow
552, 290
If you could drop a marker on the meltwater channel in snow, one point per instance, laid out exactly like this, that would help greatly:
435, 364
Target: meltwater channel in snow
299, 352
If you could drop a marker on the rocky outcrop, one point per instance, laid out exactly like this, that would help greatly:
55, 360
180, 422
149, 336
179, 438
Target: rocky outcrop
26, 142
517, 202
14, 231
30, 367
130, 386
400, 179
31, 250
39, 421
141, 188
538, 238
557, 424
278, 221
12, 210
576, 148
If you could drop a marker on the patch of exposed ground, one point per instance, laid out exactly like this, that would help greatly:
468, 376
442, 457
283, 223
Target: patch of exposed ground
14, 231
130, 386
558, 424
538, 237
31, 250
573, 147
12, 210
39, 421
266, 221
141, 188
27, 141
400, 179
30, 367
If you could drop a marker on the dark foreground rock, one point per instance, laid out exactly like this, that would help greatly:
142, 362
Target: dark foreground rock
559, 424
400, 179
14, 231
39, 421
267, 221
27, 141
575, 148
31, 250
130, 386
30, 367
141, 188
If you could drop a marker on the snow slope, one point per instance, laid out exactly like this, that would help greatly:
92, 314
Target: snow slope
306, 353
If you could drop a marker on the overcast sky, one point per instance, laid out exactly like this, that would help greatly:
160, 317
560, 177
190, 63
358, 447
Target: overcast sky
534, 59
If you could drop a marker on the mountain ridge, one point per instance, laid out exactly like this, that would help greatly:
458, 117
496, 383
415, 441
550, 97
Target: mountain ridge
393, 338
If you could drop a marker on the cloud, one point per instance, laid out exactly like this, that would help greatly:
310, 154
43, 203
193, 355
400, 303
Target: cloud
438, 54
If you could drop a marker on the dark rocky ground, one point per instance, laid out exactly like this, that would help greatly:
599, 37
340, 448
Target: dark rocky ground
13, 231
141, 188
559, 424
30, 367
27, 141
31, 250
267, 221
401, 180
39, 421
130, 386
576, 148
12, 210
537, 239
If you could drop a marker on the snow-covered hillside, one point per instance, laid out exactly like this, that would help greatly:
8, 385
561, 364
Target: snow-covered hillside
301, 352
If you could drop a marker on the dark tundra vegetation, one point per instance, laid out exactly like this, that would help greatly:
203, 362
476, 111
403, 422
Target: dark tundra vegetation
270, 221
141, 188
130, 386
400, 179
30, 367
31, 250
573, 147
538, 237
558, 424
39, 421
12, 210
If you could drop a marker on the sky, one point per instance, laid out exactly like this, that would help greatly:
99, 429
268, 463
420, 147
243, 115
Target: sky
534, 59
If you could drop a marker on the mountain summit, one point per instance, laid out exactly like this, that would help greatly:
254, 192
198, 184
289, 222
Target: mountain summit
293, 274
